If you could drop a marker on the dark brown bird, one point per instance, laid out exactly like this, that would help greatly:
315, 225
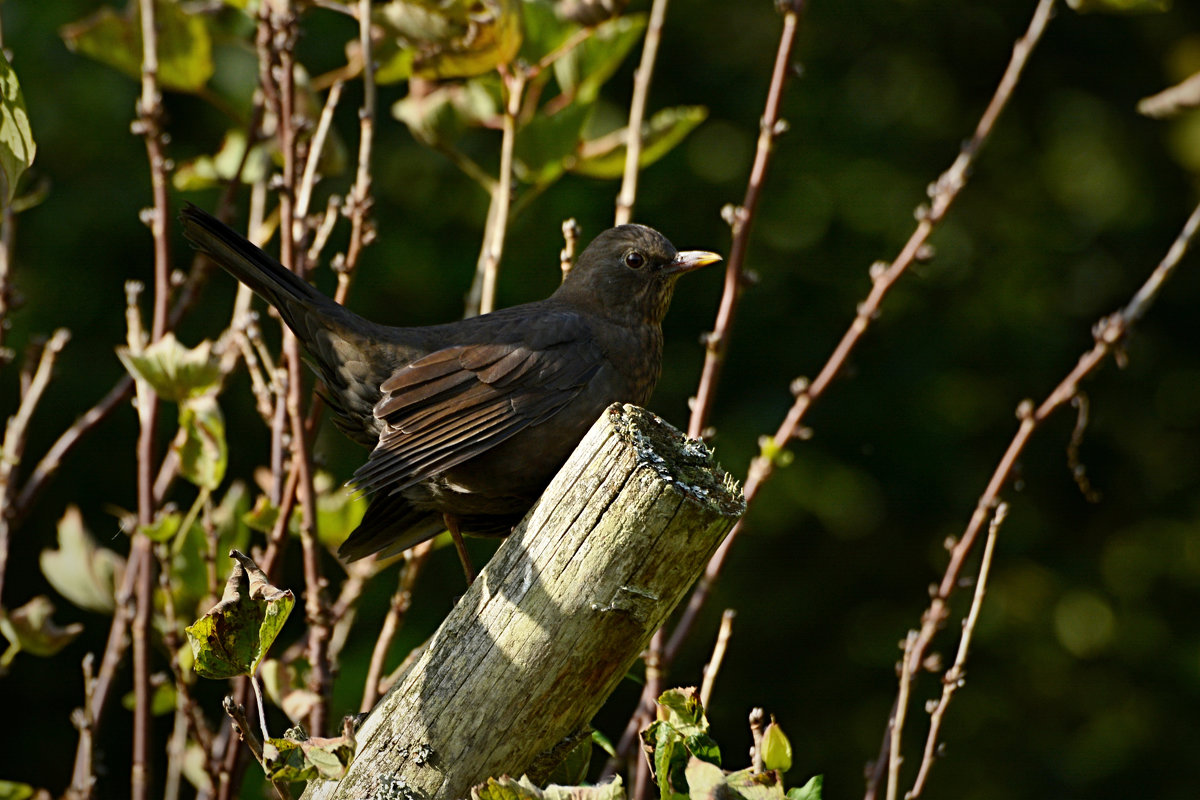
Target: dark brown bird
470, 420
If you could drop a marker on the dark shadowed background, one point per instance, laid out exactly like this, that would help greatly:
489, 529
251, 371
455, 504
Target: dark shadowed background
1085, 677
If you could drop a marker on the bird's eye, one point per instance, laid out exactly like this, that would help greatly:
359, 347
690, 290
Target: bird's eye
635, 260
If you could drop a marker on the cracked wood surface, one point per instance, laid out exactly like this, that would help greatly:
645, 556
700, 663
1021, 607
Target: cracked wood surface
552, 624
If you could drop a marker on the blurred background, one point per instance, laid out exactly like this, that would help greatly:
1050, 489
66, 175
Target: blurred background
1085, 676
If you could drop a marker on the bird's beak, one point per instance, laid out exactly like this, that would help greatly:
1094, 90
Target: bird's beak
690, 260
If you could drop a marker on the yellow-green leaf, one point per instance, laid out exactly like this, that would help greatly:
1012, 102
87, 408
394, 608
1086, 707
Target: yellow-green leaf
203, 452
17, 147
234, 636
115, 38
80, 570
30, 628
206, 172
605, 157
455, 39
776, 749
10, 790
583, 70
174, 371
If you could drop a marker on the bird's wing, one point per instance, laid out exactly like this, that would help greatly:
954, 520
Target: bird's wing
458, 402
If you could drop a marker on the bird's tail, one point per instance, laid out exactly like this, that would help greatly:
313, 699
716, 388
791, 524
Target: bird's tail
302, 307
338, 340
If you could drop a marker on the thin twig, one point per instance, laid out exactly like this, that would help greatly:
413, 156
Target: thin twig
360, 201
33, 383
769, 128
149, 126
283, 41
637, 112
482, 297
897, 725
566, 258
1109, 335
956, 675
883, 277
718, 655
741, 219
397, 611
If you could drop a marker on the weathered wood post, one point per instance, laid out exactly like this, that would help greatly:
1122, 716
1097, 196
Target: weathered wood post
557, 617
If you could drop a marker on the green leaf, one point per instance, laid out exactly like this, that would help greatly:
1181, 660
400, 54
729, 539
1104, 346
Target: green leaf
753, 785
573, 768
776, 749
544, 30
17, 147
339, 510
295, 757
207, 172
684, 710
605, 157
450, 39
506, 788
585, 69
1120, 6
203, 452
604, 742
263, 516
9, 790
705, 781
668, 757
115, 38
162, 699
545, 148
440, 116
80, 570
234, 636
809, 791
30, 628
164, 528
613, 790
175, 372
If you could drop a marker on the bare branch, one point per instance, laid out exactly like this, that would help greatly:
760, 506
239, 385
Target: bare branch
15, 431
637, 111
740, 219
956, 675
482, 297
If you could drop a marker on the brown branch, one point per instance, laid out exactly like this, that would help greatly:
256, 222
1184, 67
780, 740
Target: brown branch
954, 677
741, 219
637, 112
33, 384
943, 194
284, 39
769, 128
398, 609
149, 126
897, 723
1109, 335
360, 201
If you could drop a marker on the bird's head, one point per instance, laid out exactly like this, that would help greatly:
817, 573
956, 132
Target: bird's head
628, 273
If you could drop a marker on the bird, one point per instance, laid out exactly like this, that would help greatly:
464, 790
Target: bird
468, 421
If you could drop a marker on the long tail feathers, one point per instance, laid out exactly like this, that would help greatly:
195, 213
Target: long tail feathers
296, 300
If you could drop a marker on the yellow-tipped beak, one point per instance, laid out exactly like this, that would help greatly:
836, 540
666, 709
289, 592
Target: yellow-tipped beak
689, 260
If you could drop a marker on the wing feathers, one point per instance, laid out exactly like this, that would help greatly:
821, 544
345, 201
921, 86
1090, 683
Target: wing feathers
461, 401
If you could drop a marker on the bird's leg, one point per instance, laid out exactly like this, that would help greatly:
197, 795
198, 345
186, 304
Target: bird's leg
452, 525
